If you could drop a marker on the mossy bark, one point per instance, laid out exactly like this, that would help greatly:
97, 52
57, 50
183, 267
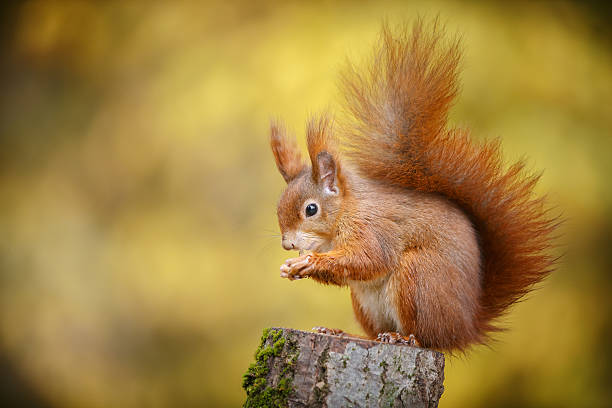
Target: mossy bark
294, 368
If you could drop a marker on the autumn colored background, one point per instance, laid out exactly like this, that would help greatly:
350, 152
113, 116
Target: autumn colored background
138, 261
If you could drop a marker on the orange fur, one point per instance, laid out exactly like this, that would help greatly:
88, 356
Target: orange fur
417, 75
433, 235
362, 318
286, 152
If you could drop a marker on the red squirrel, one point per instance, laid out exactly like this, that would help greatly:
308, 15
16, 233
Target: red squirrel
433, 235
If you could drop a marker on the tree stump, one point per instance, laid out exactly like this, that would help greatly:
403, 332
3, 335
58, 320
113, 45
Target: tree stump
294, 368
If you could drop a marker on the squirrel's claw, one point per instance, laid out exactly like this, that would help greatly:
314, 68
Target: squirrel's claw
331, 332
297, 268
396, 338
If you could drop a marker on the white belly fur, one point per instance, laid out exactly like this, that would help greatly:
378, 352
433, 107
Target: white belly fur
378, 303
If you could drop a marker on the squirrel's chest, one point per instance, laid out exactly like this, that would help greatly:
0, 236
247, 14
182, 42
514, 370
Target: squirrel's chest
378, 303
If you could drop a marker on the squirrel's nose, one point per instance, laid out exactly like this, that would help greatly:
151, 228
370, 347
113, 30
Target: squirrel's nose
287, 244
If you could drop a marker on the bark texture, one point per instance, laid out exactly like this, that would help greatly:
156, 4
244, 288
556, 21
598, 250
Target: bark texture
294, 368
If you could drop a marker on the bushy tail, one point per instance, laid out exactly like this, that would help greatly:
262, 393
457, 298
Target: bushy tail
398, 134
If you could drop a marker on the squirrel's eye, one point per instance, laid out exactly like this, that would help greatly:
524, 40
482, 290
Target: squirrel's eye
311, 209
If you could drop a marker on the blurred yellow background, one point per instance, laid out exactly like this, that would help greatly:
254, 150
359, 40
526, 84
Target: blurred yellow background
138, 256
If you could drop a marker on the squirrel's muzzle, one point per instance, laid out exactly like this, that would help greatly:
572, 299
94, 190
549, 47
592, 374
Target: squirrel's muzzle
287, 244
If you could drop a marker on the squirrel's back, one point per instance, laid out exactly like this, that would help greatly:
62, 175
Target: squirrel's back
398, 106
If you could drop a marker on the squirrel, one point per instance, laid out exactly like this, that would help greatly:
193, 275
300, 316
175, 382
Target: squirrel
433, 235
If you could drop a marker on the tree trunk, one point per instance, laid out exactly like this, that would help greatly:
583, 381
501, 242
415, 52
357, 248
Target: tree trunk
294, 368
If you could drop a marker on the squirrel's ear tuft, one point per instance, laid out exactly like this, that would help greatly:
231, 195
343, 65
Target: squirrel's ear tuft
286, 152
318, 139
327, 172
321, 144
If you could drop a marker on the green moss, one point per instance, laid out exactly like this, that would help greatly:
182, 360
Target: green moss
344, 361
254, 381
390, 394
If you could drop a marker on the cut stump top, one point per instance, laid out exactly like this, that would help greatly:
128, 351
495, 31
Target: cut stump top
294, 368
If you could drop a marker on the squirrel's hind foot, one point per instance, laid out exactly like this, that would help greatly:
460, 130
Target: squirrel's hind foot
396, 338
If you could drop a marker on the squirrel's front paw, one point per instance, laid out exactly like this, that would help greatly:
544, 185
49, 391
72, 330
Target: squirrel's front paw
297, 268
396, 338
331, 332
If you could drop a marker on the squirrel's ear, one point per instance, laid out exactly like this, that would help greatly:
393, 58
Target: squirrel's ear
286, 152
327, 172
